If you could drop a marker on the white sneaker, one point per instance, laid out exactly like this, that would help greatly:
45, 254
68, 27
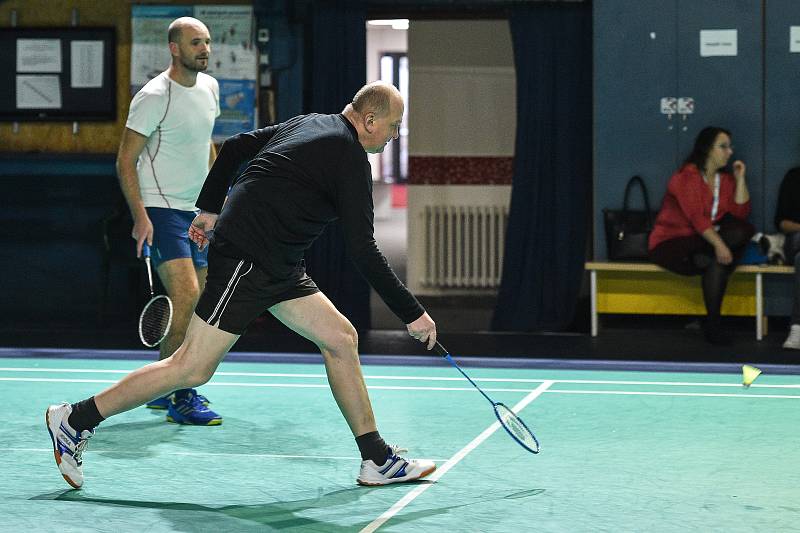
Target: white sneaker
395, 470
68, 446
793, 340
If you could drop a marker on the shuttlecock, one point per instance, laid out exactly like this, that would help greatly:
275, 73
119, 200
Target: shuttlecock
749, 374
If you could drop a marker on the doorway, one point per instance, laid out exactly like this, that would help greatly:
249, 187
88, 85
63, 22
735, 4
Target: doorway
387, 60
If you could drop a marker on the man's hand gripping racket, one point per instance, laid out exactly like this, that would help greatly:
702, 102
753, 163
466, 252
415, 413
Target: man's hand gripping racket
513, 424
201, 228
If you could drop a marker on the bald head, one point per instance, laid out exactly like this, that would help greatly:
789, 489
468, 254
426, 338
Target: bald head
376, 97
190, 46
376, 113
177, 27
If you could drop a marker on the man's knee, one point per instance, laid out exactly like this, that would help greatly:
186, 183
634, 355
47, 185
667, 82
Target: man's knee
180, 279
340, 342
191, 375
185, 296
198, 377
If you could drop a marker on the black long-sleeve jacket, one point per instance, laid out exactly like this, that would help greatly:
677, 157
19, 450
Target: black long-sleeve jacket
301, 175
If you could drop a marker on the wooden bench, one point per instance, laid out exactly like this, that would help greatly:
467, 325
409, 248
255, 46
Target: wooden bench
646, 288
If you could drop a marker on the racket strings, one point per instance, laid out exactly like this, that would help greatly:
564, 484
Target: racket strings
516, 427
155, 320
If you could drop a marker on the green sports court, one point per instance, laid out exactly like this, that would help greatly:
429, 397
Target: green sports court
512, 181
621, 451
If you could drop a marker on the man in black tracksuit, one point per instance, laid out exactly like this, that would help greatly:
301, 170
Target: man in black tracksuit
302, 174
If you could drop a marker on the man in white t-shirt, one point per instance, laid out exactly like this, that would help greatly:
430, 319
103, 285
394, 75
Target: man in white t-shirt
163, 159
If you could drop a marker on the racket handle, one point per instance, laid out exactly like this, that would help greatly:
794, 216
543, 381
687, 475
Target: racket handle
441, 350
146, 257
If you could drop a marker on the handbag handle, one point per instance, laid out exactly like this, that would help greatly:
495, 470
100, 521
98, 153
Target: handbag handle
636, 180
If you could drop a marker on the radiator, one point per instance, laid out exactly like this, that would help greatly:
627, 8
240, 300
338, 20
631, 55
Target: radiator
463, 245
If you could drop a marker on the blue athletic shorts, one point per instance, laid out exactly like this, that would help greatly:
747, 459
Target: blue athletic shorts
171, 237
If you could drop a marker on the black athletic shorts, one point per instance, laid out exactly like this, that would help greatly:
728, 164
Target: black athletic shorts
237, 292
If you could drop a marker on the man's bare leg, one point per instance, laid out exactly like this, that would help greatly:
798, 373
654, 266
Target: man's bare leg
192, 364
315, 318
183, 283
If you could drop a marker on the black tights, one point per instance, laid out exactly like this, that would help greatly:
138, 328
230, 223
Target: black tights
714, 281
715, 277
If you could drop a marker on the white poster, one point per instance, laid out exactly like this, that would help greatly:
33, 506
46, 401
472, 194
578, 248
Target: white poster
718, 43
233, 54
86, 58
149, 50
38, 55
38, 92
794, 39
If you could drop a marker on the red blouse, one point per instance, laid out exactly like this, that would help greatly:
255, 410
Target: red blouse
686, 209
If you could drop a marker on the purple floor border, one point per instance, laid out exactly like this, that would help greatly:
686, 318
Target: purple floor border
401, 360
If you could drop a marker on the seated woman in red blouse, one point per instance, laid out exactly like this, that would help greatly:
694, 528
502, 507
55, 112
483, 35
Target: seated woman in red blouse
702, 227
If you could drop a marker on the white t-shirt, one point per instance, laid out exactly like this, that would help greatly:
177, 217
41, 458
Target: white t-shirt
177, 121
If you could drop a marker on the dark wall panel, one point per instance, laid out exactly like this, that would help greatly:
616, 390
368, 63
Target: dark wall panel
634, 67
781, 101
727, 90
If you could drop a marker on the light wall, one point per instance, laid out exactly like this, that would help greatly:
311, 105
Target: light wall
381, 39
462, 99
462, 124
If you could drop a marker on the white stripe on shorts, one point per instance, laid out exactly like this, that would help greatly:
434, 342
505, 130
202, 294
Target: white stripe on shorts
228, 293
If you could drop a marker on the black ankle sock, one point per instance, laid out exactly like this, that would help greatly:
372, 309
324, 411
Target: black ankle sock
372, 447
84, 415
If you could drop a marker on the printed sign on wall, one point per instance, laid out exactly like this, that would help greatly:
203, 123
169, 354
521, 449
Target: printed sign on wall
718, 43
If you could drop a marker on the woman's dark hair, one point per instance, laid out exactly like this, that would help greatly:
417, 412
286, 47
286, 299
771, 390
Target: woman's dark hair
702, 145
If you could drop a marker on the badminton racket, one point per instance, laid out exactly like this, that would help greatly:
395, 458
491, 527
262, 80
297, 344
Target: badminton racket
156, 317
513, 424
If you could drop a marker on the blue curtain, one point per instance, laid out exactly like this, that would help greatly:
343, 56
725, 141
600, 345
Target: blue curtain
338, 43
550, 199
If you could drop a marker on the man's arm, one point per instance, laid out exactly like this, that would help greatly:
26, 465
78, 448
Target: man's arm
234, 152
355, 210
130, 147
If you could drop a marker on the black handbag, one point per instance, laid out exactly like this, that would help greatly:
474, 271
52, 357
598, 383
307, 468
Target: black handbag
627, 230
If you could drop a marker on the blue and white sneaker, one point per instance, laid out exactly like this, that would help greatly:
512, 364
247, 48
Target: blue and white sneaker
68, 446
159, 403
186, 407
396, 469
163, 402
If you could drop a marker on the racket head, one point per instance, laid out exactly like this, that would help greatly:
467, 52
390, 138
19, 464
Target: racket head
155, 320
515, 427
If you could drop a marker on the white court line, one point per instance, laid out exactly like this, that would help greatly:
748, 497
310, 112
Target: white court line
211, 454
419, 489
60, 380
274, 385
455, 389
424, 378
694, 394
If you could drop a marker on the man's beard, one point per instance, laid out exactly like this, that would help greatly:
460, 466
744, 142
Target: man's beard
194, 66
